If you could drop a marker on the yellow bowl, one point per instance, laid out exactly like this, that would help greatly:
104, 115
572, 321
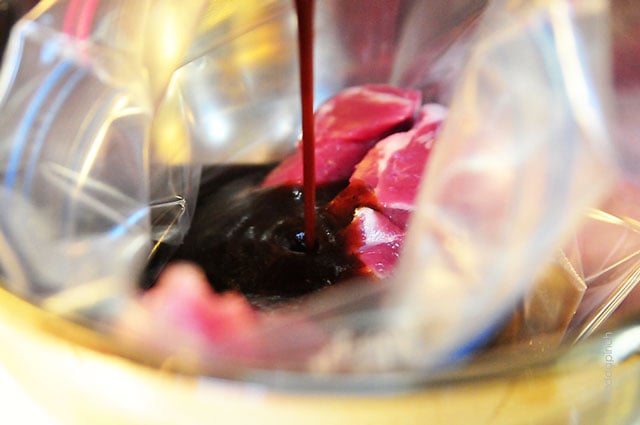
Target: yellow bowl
78, 376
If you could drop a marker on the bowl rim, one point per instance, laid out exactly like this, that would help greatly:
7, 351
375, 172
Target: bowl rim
528, 357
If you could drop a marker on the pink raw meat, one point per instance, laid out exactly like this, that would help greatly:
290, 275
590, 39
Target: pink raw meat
183, 297
375, 240
391, 171
346, 127
382, 193
183, 309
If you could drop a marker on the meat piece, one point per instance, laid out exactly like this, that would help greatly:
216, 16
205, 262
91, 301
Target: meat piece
181, 313
346, 127
375, 240
402, 164
183, 297
388, 177
382, 193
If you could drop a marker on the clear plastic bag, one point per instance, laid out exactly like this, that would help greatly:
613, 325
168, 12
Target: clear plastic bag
511, 175
239, 85
525, 150
513, 170
63, 203
599, 262
78, 93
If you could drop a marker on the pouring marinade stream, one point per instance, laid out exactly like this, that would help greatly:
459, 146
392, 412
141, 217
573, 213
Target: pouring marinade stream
305, 13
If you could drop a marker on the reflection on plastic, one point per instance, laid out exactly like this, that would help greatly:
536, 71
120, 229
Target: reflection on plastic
78, 88
512, 172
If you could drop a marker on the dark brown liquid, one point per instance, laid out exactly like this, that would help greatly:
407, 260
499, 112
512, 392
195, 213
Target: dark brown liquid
305, 13
250, 239
277, 242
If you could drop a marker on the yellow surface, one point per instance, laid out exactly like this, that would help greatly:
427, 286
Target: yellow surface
80, 381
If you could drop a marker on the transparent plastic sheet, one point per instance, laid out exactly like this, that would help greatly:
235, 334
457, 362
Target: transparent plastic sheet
487, 220
510, 176
238, 87
599, 263
594, 273
80, 85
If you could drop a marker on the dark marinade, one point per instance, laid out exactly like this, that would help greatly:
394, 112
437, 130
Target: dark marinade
251, 239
